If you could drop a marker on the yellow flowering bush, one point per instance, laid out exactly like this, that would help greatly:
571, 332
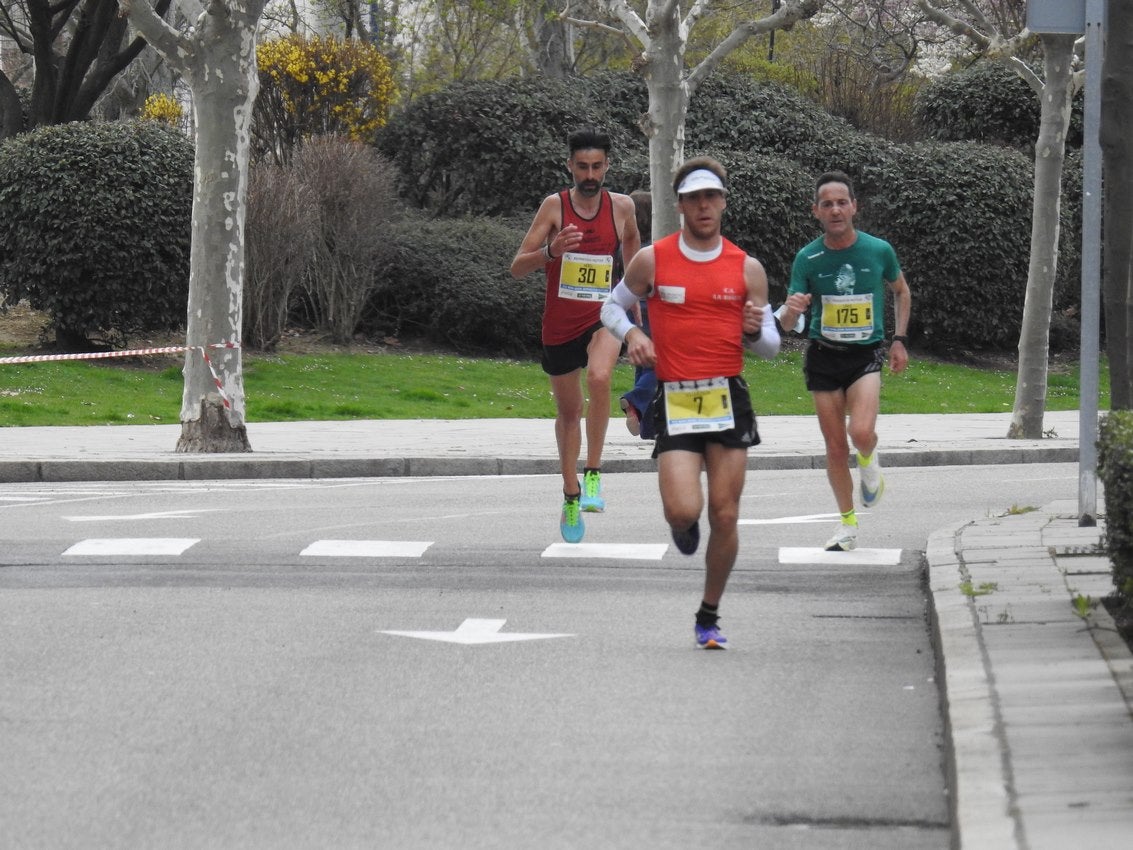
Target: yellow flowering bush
162, 107
319, 86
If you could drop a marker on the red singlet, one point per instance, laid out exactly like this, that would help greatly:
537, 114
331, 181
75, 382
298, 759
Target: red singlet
696, 312
566, 319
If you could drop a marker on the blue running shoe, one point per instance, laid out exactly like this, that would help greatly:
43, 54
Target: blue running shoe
687, 541
709, 637
570, 523
592, 501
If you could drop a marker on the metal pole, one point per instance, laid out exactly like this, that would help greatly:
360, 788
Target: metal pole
1091, 269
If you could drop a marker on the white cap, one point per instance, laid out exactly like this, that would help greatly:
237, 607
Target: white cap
700, 179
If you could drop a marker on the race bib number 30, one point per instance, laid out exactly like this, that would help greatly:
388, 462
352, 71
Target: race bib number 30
693, 407
847, 318
586, 277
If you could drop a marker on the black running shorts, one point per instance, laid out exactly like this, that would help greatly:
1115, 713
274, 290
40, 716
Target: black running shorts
564, 359
743, 436
829, 367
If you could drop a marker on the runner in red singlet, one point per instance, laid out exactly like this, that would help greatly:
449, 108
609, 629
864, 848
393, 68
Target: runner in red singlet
574, 238
707, 301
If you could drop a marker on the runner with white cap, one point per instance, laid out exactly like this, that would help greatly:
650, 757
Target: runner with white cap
707, 301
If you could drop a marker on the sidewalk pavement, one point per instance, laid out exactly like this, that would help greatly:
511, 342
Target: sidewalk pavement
1038, 701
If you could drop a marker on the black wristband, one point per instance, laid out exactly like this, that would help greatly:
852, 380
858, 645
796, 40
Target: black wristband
901, 338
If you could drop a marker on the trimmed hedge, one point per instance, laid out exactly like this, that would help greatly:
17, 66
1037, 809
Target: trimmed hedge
987, 103
95, 227
1115, 469
448, 281
491, 148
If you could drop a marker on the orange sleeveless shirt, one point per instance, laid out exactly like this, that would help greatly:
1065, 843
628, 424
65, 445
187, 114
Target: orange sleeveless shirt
696, 312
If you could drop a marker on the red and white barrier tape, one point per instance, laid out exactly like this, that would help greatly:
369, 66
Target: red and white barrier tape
136, 352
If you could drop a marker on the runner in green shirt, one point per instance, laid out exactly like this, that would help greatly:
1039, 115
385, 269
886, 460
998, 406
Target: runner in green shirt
841, 278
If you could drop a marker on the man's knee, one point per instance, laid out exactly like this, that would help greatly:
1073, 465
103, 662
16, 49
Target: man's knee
862, 437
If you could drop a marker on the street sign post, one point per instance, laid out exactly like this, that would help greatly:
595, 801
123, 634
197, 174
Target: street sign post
1076, 17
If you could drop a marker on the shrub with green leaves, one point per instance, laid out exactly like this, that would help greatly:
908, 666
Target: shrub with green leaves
989, 103
1115, 469
959, 214
448, 281
95, 227
491, 148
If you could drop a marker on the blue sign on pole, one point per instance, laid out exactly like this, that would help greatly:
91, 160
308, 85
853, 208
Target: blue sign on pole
1056, 17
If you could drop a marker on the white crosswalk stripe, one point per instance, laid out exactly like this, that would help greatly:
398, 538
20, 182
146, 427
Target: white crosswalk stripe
620, 551
125, 546
857, 557
367, 549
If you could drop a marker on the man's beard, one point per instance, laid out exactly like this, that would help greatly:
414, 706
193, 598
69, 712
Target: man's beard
589, 188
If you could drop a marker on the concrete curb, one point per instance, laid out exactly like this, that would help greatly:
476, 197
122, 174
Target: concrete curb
260, 465
977, 752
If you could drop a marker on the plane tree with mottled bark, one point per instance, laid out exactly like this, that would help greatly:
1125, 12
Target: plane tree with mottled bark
217, 59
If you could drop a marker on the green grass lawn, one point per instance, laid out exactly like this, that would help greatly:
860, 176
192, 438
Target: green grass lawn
294, 387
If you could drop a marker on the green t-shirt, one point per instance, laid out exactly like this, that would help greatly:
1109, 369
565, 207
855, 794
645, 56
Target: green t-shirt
847, 288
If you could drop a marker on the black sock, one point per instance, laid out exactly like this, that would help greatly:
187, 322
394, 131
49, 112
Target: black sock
587, 469
707, 615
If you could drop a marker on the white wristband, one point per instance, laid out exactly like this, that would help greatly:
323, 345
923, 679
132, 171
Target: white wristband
766, 345
614, 310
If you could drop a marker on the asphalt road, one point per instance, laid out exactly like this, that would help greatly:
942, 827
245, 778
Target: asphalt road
322, 663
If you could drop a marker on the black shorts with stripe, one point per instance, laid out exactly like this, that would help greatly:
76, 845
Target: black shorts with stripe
829, 367
743, 435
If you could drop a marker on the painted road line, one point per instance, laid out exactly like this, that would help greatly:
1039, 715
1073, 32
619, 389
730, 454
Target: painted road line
857, 557
125, 546
790, 520
618, 551
188, 513
474, 632
367, 548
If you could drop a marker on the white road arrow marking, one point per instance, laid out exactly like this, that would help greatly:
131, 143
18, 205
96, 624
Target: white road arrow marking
473, 632
874, 557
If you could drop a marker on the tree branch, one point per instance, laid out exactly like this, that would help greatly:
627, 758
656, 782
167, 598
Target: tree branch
165, 39
789, 14
632, 25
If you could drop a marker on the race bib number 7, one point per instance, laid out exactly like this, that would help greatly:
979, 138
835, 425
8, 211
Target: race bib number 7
586, 277
693, 407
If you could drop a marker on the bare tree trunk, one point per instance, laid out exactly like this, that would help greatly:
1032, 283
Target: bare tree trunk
553, 49
1050, 152
1117, 148
11, 118
664, 124
218, 60
663, 36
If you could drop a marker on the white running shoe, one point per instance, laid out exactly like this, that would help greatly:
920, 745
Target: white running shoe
844, 540
872, 483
